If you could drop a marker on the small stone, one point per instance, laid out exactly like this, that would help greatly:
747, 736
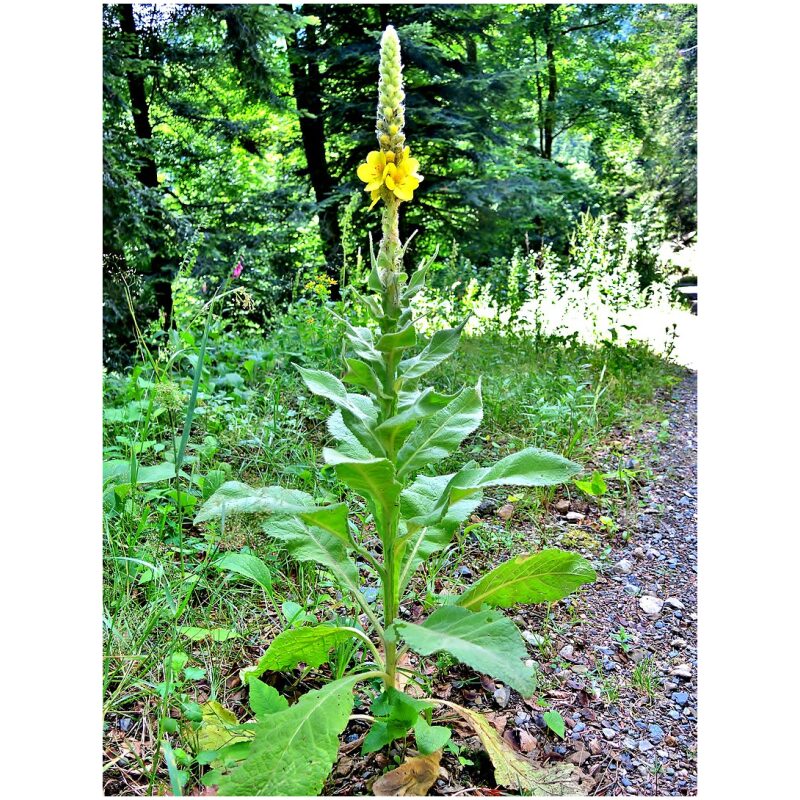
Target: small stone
682, 671
533, 639
506, 511
562, 506
595, 748
639, 552
566, 651
644, 746
628, 743
659, 624
673, 714
579, 726
529, 662
678, 642
502, 695
464, 572
651, 605
125, 724
609, 733
656, 733
675, 603
522, 718
631, 588
574, 516
681, 698
684, 501
637, 654
609, 665
625, 781
624, 566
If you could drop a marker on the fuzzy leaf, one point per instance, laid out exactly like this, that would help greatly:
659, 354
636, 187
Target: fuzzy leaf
406, 337
218, 728
441, 346
332, 519
235, 497
360, 373
395, 714
530, 467
430, 737
247, 565
540, 577
348, 441
487, 641
308, 645
394, 430
440, 434
293, 750
265, 699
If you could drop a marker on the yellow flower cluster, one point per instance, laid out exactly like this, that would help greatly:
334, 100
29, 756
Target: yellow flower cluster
400, 176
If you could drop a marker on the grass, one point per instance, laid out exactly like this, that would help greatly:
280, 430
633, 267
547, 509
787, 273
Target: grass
645, 677
253, 422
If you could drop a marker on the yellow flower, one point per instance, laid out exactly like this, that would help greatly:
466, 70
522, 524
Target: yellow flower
374, 171
402, 178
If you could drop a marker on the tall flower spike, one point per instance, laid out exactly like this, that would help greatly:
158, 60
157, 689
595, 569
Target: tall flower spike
391, 111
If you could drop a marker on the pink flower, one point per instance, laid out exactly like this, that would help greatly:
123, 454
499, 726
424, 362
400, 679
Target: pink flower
237, 270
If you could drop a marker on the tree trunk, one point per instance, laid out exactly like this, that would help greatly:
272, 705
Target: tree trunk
148, 172
552, 81
308, 96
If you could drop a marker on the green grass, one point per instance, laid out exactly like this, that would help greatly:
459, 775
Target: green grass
253, 422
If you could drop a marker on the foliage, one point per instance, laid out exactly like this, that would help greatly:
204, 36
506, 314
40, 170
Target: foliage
388, 438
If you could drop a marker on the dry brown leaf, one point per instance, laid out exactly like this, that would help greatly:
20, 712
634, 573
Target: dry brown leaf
506, 511
412, 778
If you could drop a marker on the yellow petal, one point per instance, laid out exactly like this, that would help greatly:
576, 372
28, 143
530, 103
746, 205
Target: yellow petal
406, 153
390, 182
411, 165
366, 173
373, 185
404, 193
376, 159
376, 195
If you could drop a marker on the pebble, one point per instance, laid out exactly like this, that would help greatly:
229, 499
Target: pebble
574, 516
562, 506
580, 669
533, 638
628, 743
682, 671
681, 698
644, 746
579, 726
125, 724
631, 588
566, 651
595, 748
675, 603
624, 566
659, 624
522, 717
625, 782
651, 605
656, 733
609, 733
673, 714
464, 572
502, 695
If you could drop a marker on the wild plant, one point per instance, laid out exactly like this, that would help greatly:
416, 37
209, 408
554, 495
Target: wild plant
389, 432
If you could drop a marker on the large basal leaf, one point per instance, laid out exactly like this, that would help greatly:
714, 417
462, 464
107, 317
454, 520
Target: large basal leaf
440, 434
530, 467
514, 771
310, 646
247, 565
265, 699
541, 577
307, 543
487, 641
441, 346
294, 750
413, 778
235, 497
332, 519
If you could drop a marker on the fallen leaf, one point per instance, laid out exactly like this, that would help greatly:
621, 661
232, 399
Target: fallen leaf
514, 771
499, 721
412, 778
505, 512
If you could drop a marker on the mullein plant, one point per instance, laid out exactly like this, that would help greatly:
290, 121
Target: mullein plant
390, 430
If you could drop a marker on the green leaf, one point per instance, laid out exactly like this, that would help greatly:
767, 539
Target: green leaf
395, 714
249, 566
348, 441
235, 497
440, 434
430, 737
308, 543
294, 750
441, 346
194, 673
215, 634
265, 699
332, 519
555, 722
308, 645
407, 337
487, 641
373, 479
530, 467
361, 374
218, 728
595, 487
540, 577
394, 430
